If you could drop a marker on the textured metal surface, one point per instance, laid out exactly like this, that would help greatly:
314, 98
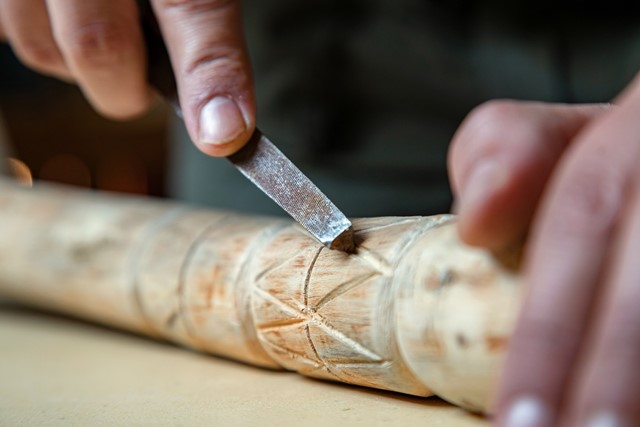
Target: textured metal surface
271, 171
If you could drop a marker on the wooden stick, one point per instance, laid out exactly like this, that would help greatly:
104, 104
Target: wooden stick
414, 311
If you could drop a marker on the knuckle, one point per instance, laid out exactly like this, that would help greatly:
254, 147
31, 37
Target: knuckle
215, 70
221, 61
97, 44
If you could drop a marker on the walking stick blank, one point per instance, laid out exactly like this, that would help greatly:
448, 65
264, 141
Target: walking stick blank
413, 311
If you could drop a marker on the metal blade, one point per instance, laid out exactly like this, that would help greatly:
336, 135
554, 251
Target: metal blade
271, 171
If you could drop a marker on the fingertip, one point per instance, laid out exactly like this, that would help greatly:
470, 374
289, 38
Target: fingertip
221, 121
477, 205
500, 161
495, 207
224, 126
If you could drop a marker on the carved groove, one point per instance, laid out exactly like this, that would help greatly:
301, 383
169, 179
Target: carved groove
145, 242
342, 289
182, 277
307, 279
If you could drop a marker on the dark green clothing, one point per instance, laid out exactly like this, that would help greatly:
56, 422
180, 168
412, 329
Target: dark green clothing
364, 96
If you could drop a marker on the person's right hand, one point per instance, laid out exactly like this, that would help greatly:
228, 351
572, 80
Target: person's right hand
568, 178
99, 45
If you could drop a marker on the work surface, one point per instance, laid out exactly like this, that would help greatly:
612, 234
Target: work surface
59, 371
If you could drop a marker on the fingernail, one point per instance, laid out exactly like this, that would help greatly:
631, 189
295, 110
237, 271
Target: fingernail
485, 178
221, 121
606, 419
527, 412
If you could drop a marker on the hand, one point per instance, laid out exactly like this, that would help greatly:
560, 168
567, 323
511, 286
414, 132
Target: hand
99, 45
570, 176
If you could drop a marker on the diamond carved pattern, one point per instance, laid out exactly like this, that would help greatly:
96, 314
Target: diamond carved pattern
314, 317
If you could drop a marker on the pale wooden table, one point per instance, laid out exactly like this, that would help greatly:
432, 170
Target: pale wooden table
59, 371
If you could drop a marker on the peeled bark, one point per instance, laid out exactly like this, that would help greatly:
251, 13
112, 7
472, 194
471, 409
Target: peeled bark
413, 311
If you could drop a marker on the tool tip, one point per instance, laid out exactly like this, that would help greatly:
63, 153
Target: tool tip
345, 242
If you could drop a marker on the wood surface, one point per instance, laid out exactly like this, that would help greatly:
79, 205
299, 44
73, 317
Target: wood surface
57, 371
413, 311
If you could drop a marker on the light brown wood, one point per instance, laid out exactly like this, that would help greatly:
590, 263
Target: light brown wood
413, 311
58, 373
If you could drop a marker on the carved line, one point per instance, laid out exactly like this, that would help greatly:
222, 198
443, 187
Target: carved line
331, 364
243, 295
134, 266
279, 324
182, 275
294, 355
383, 265
305, 293
271, 268
260, 241
339, 336
315, 351
391, 285
296, 312
392, 224
317, 319
375, 261
342, 289
362, 364
307, 279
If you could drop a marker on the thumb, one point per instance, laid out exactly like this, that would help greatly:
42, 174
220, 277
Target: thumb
211, 64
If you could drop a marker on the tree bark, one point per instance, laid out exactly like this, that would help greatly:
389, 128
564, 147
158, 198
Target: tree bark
413, 311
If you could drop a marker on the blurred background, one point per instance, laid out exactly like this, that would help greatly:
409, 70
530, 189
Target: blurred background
53, 134
363, 95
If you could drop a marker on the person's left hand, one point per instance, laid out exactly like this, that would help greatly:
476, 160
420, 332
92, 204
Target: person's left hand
570, 177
